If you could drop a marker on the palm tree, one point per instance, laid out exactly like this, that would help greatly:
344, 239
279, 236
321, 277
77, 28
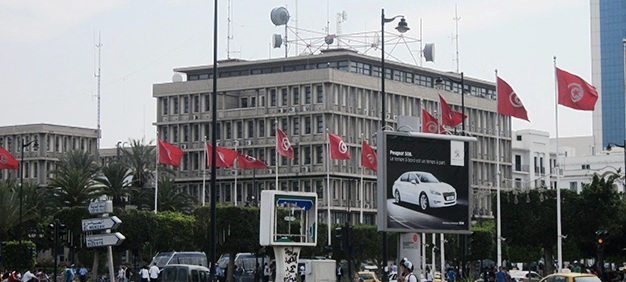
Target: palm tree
73, 182
10, 206
171, 198
140, 159
115, 181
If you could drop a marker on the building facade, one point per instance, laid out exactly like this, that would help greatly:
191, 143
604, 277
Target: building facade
41, 157
608, 29
337, 91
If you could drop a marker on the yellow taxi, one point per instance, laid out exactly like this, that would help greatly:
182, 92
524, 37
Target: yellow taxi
368, 276
570, 277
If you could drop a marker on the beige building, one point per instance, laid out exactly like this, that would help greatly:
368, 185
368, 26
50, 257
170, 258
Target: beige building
337, 91
52, 142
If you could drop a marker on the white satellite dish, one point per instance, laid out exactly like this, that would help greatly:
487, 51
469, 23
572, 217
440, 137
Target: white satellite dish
429, 52
177, 77
279, 16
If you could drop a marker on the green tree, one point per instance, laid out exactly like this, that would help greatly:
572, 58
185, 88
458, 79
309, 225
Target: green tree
140, 158
140, 229
170, 198
115, 181
9, 204
174, 232
73, 182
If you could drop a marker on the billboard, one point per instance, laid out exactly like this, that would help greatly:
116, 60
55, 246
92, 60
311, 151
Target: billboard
423, 182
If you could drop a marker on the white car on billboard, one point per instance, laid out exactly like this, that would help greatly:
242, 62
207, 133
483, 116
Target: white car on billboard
423, 189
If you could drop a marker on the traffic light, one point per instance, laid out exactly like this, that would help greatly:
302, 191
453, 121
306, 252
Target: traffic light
51, 232
339, 236
601, 239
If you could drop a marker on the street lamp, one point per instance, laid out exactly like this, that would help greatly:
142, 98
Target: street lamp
439, 83
610, 146
24, 145
402, 28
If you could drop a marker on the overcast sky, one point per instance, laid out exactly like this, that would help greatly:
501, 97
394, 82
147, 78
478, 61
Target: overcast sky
48, 54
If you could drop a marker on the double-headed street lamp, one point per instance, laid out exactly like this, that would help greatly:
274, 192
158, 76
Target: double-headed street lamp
21, 171
610, 146
402, 28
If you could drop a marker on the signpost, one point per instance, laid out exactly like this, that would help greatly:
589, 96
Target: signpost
102, 240
100, 207
101, 223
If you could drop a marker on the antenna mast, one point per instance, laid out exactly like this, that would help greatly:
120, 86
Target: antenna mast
97, 75
229, 35
456, 36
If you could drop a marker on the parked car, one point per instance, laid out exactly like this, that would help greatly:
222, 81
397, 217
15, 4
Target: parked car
193, 258
368, 276
423, 189
570, 277
524, 276
184, 273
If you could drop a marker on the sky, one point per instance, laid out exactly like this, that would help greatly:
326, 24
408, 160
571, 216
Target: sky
49, 57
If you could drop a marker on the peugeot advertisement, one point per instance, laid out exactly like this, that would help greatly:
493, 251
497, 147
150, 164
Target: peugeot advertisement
423, 182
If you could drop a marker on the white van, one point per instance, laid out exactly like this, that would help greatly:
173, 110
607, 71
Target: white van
184, 273
191, 258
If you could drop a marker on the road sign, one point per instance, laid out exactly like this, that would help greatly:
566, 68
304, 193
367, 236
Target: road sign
101, 207
101, 223
101, 240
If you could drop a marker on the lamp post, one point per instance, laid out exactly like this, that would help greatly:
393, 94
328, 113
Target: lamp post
610, 146
24, 145
213, 225
439, 82
402, 28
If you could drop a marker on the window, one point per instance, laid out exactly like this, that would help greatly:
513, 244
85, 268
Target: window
296, 126
229, 130
250, 129
296, 155
307, 155
585, 166
185, 133
320, 94
319, 151
261, 128
307, 95
307, 125
285, 97
296, 95
196, 103
175, 134
518, 163
239, 129
244, 102
165, 106
273, 97
320, 124
252, 101
185, 105
207, 103
175, 102
573, 186
518, 137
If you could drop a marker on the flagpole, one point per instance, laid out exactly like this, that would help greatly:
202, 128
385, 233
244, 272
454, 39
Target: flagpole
204, 164
276, 163
156, 173
559, 237
361, 182
328, 186
235, 167
498, 204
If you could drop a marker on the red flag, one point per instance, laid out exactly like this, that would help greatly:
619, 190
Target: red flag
245, 161
450, 117
225, 157
7, 161
508, 102
430, 124
338, 149
368, 157
282, 144
169, 154
575, 92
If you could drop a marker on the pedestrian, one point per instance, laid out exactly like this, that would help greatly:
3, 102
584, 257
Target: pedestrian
451, 275
339, 272
154, 272
68, 273
128, 274
29, 276
406, 268
500, 276
144, 274
266, 273
302, 272
121, 274
429, 275
82, 273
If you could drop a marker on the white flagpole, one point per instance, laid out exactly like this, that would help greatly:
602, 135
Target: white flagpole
276, 163
204, 164
442, 256
433, 257
236, 143
423, 256
498, 204
559, 237
328, 186
361, 192
156, 174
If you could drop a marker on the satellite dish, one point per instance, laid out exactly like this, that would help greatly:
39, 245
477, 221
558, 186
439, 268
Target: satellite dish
279, 16
177, 77
429, 52
329, 39
277, 40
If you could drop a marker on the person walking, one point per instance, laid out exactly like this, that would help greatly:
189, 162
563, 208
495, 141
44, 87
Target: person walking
266, 273
406, 268
82, 273
144, 274
154, 272
451, 275
429, 275
302, 272
500, 275
68, 273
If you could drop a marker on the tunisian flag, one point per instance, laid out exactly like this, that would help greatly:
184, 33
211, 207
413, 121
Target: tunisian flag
450, 117
169, 154
225, 157
575, 92
430, 124
245, 161
7, 161
282, 144
508, 102
338, 149
368, 157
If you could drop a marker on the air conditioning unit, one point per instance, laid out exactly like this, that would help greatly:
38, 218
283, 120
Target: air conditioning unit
305, 108
248, 142
305, 169
183, 146
166, 119
292, 110
195, 117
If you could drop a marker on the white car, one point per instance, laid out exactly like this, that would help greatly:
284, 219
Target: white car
423, 189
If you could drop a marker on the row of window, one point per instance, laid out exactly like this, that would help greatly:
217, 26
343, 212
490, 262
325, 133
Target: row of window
54, 143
